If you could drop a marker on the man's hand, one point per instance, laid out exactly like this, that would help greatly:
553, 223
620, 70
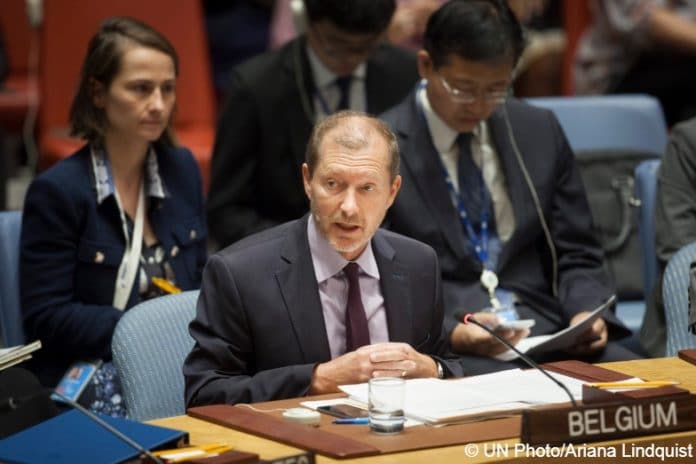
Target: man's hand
593, 339
378, 360
468, 338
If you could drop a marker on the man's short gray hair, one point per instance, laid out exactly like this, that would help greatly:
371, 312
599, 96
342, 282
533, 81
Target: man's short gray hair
353, 138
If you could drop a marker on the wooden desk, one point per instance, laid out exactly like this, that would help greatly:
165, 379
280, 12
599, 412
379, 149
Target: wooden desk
649, 369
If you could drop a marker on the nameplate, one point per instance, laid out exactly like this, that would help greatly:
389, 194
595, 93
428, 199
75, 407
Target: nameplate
599, 422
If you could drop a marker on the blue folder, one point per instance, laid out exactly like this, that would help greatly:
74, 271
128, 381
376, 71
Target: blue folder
72, 437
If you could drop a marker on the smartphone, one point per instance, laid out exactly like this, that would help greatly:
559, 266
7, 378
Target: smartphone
76, 378
344, 411
517, 324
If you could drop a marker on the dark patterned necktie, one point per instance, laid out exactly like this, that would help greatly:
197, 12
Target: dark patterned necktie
470, 180
357, 333
343, 84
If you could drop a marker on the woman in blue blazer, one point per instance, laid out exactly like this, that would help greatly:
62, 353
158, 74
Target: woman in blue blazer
117, 222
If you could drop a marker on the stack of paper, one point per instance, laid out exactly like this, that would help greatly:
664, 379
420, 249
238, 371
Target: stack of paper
483, 396
16, 354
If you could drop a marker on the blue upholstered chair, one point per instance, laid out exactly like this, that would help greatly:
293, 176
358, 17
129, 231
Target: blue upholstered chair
149, 345
675, 293
646, 191
622, 123
11, 326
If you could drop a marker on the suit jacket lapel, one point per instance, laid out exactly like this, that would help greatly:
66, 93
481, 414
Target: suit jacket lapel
376, 89
518, 192
300, 106
395, 283
420, 156
298, 285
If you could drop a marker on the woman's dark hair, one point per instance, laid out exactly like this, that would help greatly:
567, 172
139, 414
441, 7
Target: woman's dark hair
476, 30
102, 64
356, 16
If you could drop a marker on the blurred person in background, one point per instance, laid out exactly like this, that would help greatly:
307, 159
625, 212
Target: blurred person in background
491, 184
641, 46
274, 100
675, 224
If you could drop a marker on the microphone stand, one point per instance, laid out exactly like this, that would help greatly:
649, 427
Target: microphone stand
108, 427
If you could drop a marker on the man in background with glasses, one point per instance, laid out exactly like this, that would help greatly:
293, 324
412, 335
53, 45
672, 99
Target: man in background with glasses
491, 184
275, 99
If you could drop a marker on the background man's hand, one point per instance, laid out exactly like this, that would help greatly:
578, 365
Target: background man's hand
593, 339
468, 338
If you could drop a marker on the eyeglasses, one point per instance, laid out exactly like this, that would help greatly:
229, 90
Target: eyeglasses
491, 97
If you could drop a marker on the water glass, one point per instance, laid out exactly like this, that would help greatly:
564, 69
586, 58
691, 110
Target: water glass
386, 404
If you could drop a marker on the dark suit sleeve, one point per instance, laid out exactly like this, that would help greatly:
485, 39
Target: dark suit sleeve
51, 233
675, 209
221, 367
581, 277
231, 201
440, 350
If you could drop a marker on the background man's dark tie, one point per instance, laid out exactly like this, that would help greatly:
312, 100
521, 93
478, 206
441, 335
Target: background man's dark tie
470, 180
357, 333
343, 84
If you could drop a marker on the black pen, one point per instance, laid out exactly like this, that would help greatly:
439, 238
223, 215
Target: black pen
352, 420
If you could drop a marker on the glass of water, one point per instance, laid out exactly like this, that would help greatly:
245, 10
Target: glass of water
386, 404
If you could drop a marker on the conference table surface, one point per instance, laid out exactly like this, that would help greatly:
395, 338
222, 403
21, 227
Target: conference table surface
201, 432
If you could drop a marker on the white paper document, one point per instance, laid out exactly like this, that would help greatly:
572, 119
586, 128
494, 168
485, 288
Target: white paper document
561, 340
477, 397
16, 354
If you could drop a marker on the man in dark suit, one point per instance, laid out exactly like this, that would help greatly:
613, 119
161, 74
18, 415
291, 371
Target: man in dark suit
325, 300
491, 184
275, 99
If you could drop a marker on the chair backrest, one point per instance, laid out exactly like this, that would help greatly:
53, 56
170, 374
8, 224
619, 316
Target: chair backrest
19, 41
619, 122
11, 325
17, 33
611, 135
646, 191
675, 294
149, 345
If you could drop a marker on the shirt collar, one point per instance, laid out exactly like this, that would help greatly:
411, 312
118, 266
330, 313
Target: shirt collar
443, 136
323, 77
328, 262
104, 179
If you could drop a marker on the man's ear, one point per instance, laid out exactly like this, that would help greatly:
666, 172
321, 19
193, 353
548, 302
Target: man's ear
394, 190
97, 91
425, 64
306, 180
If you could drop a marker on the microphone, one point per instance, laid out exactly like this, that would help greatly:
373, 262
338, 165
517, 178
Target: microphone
13, 403
108, 427
469, 318
24, 402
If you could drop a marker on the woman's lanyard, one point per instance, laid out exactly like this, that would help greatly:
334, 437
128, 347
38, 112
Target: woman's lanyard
130, 262
489, 279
